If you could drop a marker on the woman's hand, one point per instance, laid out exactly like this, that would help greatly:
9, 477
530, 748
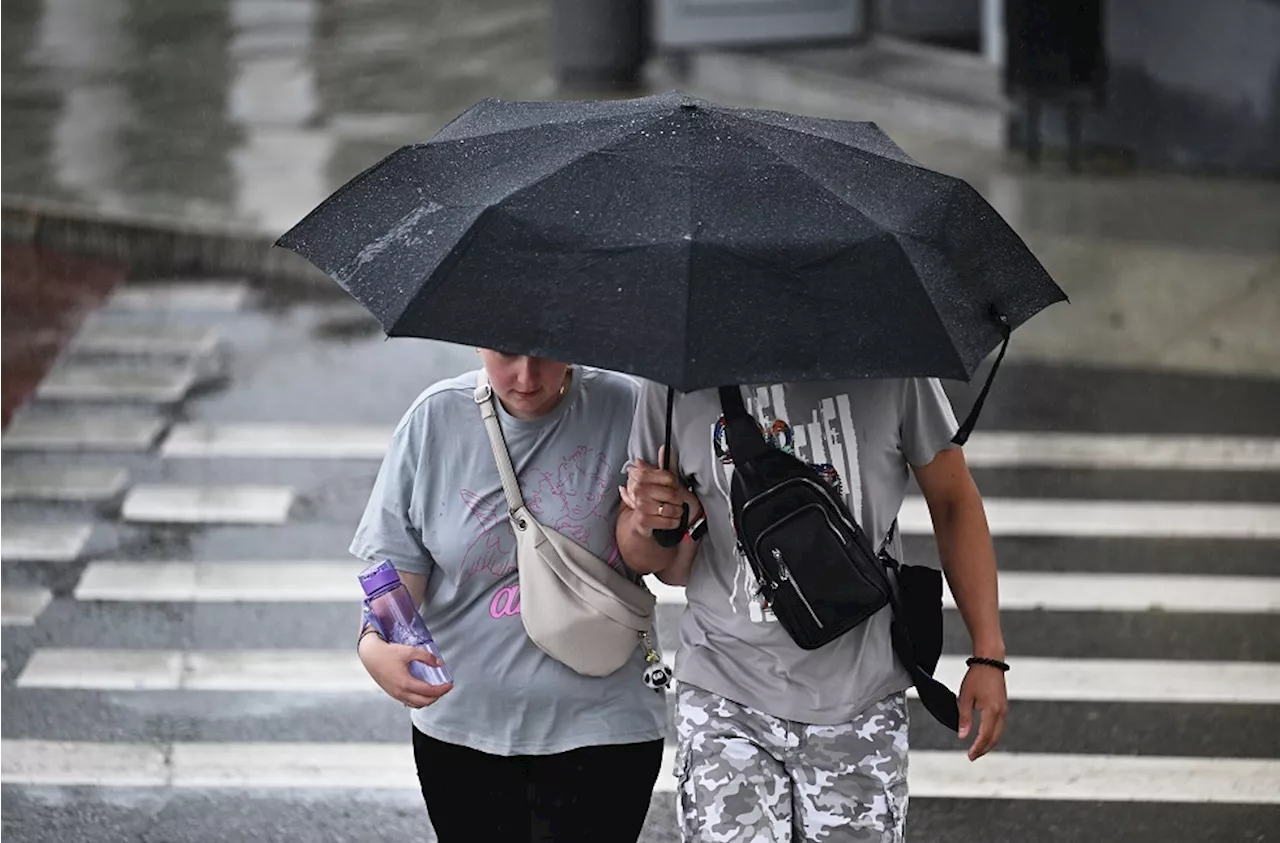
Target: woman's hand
658, 497
388, 664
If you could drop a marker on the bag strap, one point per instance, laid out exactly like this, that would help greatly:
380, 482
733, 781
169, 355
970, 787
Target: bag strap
741, 433
937, 698
888, 537
489, 411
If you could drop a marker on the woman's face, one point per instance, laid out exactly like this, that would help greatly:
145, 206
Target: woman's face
528, 387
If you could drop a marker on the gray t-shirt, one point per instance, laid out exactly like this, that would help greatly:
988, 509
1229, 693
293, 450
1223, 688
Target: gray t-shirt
437, 508
862, 433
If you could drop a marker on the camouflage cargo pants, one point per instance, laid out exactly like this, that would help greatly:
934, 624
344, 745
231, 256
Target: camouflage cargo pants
748, 776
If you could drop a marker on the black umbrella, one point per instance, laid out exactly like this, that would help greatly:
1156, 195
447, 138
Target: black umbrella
681, 241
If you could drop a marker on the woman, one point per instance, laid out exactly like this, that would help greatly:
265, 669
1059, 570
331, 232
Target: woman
520, 747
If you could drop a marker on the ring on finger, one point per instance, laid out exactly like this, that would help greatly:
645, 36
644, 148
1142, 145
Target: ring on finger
661, 508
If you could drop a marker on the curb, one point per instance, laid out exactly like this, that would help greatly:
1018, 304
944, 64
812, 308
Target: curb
152, 247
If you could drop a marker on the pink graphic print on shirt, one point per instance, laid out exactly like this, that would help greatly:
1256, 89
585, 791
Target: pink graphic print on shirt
572, 500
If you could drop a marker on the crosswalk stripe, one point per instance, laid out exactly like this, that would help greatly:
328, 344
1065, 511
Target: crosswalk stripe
63, 483
208, 504
1112, 519
1132, 680
389, 766
991, 449
1042, 449
102, 337
278, 441
154, 383
1091, 592
221, 582
203, 295
340, 671
44, 542
1097, 592
21, 606
298, 671
80, 431
1095, 778
335, 581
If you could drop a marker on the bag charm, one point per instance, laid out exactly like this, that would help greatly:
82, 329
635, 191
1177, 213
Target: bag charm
656, 675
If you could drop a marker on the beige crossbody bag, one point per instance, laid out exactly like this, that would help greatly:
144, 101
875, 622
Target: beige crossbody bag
576, 608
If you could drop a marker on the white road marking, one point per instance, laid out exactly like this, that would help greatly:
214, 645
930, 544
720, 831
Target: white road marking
389, 766
1112, 519
44, 542
278, 441
21, 606
208, 504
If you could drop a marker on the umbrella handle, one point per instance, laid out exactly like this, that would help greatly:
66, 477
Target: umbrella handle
673, 537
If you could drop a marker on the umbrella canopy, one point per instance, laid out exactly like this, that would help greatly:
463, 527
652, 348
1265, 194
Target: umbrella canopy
677, 240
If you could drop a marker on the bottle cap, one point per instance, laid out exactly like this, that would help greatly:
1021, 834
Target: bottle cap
378, 577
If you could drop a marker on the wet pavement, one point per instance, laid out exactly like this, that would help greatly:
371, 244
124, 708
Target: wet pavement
319, 361
247, 113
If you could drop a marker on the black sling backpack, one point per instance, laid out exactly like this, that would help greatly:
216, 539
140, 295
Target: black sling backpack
816, 566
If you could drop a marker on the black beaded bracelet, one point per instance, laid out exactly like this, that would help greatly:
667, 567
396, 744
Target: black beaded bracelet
972, 660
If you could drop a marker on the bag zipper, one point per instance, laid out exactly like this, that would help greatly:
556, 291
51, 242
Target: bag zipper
881, 554
826, 490
784, 574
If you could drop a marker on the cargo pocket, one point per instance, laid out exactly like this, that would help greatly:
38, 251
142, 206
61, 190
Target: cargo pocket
686, 801
895, 798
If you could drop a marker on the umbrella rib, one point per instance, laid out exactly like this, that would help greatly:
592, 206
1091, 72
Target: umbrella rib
455, 254
791, 165
284, 241
955, 188
861, 153
577, 158
688, 266
857, 150
894, 235
497, 133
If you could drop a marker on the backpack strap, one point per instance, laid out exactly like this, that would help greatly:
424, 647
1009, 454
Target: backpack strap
741, 433
888, 537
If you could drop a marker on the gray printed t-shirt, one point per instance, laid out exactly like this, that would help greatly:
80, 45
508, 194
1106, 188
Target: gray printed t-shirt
437, 508
863, 433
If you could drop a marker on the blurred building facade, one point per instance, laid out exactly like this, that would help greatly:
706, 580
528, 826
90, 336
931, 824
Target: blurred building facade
1188, 85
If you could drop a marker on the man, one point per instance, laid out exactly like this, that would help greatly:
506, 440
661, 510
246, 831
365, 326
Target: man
778, 743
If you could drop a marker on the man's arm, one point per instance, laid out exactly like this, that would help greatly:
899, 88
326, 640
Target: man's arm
969, 562
964, 545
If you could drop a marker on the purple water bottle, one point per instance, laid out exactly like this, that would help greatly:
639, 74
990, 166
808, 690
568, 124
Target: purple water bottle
390, 608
